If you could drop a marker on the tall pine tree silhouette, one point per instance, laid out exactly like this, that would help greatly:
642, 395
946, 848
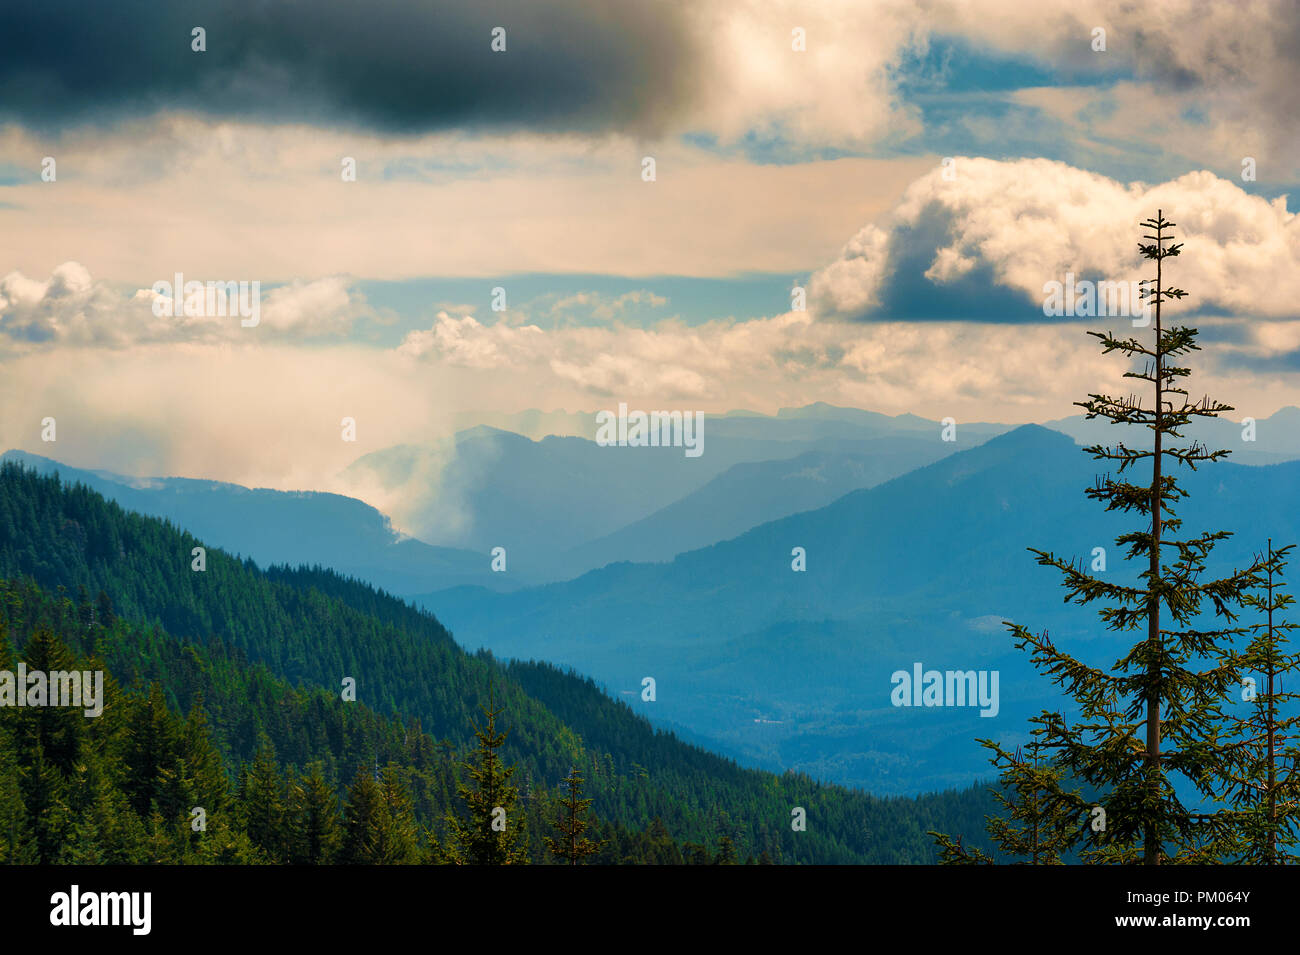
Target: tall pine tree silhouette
1155, 714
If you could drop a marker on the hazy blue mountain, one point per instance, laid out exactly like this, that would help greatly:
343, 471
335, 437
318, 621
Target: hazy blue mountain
746, 495
531, 423
291, 527
563, 505
788, 424
922, 568
822, 420
487, 488
538, 499
1276, 438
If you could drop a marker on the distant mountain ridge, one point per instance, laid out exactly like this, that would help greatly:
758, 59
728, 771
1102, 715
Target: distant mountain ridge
1270, 440
924, 567
563, 505
286, 527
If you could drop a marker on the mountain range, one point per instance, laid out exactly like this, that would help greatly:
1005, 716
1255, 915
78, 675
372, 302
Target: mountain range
792, 668
635, 563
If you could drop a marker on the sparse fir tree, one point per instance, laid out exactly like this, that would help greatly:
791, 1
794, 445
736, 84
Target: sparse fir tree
1154, 715
1043, 818
1263, 786
571, 845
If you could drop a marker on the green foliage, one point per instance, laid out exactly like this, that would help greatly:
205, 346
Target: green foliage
1156, 714
315, 836
1262, 781
254, 659
490, 832
380, 822
1044, 818
570, 844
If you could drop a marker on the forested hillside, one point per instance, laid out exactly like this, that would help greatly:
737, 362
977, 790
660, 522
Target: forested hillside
226, 694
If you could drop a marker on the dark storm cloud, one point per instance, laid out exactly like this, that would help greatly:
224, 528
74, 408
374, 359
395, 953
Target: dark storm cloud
394, 66
976, 296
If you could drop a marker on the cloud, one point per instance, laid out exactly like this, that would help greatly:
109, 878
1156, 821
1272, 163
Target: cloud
265, 412
394, 66
982, 246
645, 67
652, 69
604, 307
852, 283
1234, 62
426, 489
465, 343
269, 203
261, 413
838, 91
323, 307
787, 359
72, 309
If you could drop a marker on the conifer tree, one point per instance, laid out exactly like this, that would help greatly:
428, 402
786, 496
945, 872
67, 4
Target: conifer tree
571, 844
696, 853
314, 811
16, 839
492, 830
363, 821
60, 730
16, 846
48, 810
1155, 714
1263, 785
380, 826
203, 761
663, 849
1043, 819
150, 748
400, 840
49, 743
121, 832
104, 611
433, 852
262, 804
726, 851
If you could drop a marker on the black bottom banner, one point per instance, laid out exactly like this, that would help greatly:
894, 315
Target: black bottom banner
337, 904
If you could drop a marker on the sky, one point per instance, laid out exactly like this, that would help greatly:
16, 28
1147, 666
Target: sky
916, 172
